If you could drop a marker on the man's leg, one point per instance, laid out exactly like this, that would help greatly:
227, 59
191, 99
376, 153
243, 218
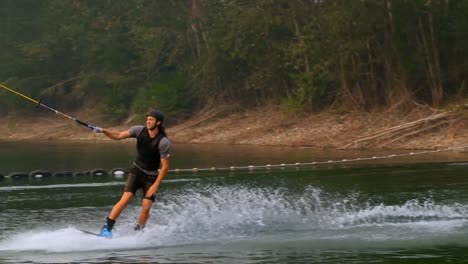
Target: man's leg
131, 187
120, 205
106, 230
145, 212
146, 203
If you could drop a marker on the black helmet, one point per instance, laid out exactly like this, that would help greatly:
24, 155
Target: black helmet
156, 114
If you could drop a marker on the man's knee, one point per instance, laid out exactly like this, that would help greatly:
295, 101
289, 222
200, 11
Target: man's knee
146, 204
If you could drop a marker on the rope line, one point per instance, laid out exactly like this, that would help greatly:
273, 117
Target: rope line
45, 106
300, 164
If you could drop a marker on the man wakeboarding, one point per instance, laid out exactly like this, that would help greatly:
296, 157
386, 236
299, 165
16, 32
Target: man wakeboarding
148, 170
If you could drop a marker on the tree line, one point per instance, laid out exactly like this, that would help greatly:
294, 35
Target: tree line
126, 56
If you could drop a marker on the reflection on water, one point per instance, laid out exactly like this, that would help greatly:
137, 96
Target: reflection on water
84, 156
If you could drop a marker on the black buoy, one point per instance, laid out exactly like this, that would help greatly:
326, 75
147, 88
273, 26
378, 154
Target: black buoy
39, 174
18, 175
99, 172
63, 174
118, 172
2, 177
79, 174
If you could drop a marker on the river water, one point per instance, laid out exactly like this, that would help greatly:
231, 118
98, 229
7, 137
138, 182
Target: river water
405, 210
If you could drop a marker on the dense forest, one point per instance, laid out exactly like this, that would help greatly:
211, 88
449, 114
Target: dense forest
126, 56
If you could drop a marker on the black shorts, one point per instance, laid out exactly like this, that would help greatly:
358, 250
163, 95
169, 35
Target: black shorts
138, 179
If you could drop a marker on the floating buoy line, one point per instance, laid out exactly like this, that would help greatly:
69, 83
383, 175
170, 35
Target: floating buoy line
301, 164
119, 172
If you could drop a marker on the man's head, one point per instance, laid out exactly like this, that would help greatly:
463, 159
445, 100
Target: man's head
154, 119
156, 114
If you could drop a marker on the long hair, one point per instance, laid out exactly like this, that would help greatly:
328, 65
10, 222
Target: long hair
162, 129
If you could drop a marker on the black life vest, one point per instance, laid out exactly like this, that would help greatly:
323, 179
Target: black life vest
148, 157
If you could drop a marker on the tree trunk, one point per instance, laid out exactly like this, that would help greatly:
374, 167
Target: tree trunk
432, 61
437, 90
197, 26
302, 44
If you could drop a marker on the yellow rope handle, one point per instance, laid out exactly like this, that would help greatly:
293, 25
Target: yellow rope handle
43, 105
20, 94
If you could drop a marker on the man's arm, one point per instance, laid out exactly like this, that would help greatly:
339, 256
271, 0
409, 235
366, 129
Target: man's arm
115, 135
164, 169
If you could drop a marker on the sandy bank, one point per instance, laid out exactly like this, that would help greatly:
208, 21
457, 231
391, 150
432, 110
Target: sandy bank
420, 129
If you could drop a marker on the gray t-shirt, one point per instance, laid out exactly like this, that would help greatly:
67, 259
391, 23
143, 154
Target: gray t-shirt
164, 146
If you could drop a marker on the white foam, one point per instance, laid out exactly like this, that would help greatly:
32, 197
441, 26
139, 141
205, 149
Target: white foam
67, 240
224, 214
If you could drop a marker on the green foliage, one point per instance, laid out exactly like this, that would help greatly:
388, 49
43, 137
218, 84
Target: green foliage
166, 93
131, 55
311, 90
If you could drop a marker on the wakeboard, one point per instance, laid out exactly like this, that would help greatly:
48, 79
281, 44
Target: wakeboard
90, 233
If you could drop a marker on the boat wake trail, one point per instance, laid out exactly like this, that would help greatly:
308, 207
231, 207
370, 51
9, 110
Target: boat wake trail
236, 214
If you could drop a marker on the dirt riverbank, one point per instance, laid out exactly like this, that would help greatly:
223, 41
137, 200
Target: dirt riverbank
423, 128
